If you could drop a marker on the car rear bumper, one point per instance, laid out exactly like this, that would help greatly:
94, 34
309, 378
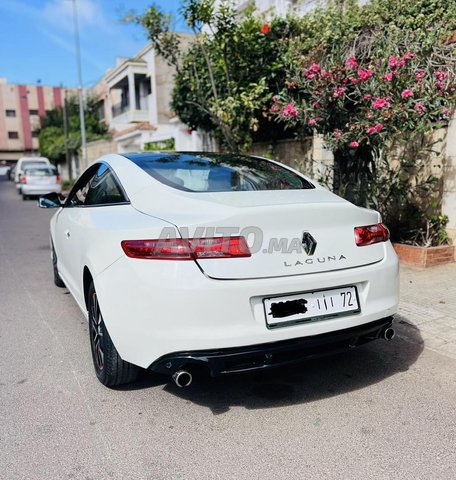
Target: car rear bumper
155, 308
40, 189
268, 355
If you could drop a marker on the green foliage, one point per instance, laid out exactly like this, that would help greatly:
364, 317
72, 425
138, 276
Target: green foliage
51, 137
225, 78
160, 145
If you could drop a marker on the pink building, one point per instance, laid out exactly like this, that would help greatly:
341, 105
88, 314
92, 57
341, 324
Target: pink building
21, 107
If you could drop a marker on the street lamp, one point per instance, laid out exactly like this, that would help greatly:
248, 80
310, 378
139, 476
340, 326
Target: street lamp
80, 87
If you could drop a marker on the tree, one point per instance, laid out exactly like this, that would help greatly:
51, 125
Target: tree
51, 136
225, 78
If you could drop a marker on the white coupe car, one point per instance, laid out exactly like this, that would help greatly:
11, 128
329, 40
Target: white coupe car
230, 263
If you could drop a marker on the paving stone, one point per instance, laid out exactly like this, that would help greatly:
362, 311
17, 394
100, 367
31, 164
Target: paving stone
428, 301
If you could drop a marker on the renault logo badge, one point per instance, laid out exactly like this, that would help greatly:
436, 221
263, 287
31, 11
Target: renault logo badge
309, 243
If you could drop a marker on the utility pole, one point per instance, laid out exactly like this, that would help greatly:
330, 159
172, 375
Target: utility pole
68, 159
80, 87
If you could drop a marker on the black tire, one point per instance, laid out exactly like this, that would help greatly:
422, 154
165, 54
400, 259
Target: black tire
24, 197
110, 369
58, 282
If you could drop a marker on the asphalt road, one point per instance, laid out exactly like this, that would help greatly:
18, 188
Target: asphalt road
386, 410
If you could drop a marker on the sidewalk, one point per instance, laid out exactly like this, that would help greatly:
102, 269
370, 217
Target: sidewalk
428, 303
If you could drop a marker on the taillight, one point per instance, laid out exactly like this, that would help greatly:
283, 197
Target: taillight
371, 234
23, 179
187, 249
58, 179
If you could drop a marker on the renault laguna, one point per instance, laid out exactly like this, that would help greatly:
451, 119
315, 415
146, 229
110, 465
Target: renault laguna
228, 263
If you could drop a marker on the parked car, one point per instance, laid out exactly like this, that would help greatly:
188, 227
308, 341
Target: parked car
24, 162
38, 180
224, 262
4, 168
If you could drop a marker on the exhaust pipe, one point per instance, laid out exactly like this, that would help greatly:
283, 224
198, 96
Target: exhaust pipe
389, 333
182, 378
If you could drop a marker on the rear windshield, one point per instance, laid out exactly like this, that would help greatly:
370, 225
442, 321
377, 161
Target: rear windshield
28, 163
40, 172
218, 173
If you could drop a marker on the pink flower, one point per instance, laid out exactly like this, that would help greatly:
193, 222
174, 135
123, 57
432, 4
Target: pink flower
369, 116
378, 127
388, 77
315, 105
310, 75
367, 96
407, 93
275, 98
409, 56
353, 144
291, 85
439, 84
365, 74
337, 134
420, 108
420, 74
392, 61
352, 63
395, 62
275, 108
315, 67
441, 75
324, 74
371, 130
338, 91
445, 112
312, 122
290, 111
354, 81
380, 103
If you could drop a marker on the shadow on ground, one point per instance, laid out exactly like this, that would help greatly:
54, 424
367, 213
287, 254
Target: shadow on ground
306, 382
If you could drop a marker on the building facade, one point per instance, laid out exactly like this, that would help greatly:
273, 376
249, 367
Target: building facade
134, 100
21, 107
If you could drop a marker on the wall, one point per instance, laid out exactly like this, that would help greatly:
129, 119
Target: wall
97, 149
449, 179
309, 156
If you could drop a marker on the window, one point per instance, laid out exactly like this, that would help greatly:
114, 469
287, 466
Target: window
13, 135
35, 134
218, 173
104, 189
41, 172
10, 113
33, 112
98, 186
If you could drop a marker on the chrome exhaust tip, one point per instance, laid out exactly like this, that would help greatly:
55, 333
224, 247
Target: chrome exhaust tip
389, 333
182, 378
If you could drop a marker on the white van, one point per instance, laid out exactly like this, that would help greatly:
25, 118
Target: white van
26, 162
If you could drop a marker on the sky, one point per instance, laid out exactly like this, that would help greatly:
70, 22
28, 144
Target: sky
37, 38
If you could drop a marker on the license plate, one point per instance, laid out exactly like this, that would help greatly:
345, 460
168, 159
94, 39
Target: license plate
309, 306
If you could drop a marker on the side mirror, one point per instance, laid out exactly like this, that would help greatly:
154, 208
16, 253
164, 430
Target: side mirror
51, 200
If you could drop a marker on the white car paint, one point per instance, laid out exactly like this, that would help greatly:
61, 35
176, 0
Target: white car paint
153, 307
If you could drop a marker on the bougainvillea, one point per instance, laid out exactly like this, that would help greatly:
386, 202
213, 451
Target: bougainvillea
354, 103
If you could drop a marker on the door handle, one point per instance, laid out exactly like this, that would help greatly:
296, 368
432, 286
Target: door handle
67, 234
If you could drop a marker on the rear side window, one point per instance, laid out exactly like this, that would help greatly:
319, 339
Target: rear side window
218, 173
104, 189
97, 186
